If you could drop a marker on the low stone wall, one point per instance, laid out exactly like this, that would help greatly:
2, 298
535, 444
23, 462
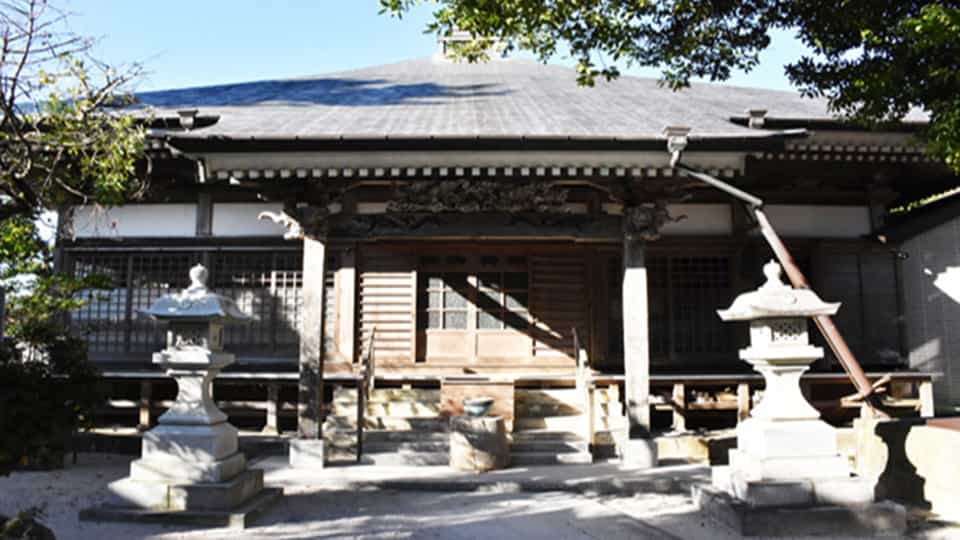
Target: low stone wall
912, 462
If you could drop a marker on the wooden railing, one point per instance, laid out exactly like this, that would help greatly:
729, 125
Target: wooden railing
365, 386
585, 387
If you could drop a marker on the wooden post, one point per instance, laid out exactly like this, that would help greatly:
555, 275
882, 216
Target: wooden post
926, 399
272, 426
743, 401
679, 407
307, 450
146, 393
310, 406
639, 448
346, 310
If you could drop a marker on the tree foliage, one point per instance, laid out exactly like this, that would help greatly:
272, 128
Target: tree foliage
60, 146
872, 59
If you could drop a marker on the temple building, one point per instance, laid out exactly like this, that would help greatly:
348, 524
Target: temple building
432, 222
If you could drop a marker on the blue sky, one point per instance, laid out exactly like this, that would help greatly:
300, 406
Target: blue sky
200, 42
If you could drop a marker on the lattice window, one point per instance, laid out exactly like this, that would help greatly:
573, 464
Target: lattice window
102, 320
265, 284
152, 276
486, 292
684, 293
502, 300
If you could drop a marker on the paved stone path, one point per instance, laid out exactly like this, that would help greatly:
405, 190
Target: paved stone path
345, 503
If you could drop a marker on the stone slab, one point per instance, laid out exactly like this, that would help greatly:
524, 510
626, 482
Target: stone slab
217, 495
877, 519
190, 443
235, 518
176, 471
795, 468
306, 453
801, 438
130, 493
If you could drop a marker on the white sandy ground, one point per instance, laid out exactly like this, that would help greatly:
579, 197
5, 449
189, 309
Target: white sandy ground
329, 504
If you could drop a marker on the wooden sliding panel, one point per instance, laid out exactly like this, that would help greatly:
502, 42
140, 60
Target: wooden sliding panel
387, 300
559, 303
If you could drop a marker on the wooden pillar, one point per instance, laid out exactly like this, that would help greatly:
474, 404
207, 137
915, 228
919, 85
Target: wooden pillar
926, 399
743, 401
310, 405
679, 407
639, 448
272, 425
346, 310
146, 394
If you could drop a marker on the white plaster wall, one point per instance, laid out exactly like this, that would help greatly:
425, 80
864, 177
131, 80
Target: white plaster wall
932, 307
819, 221
240, 219
135, 220
701, 219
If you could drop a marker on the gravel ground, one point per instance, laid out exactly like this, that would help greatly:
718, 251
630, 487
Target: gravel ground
321, 506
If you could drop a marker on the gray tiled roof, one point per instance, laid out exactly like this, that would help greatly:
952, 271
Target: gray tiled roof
434, 97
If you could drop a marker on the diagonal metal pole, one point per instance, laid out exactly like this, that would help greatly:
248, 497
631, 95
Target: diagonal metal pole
824, 322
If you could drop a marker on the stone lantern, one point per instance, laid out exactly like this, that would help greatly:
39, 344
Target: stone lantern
786, 476
190, 467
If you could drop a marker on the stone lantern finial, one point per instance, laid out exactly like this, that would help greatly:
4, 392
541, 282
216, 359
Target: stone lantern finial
773, 271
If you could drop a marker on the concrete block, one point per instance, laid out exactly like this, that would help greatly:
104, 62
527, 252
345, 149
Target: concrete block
844, 491
876, 519
190, 443
217, 495
802, 438
175, 471
640, 453
306, 453
129, 493
771, 493
757, 469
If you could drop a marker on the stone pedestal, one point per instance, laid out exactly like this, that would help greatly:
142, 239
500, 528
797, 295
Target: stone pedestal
189, 469
786, 476
478, 444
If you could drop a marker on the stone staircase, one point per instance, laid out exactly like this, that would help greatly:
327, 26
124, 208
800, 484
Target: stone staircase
401, 427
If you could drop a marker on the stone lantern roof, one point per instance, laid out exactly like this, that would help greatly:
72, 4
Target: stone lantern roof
776, 299
196, 303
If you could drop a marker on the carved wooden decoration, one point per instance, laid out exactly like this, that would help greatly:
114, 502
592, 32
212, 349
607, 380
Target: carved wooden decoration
644, 221
473, 196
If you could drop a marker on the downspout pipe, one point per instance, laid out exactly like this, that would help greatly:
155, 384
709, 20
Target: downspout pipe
824, 322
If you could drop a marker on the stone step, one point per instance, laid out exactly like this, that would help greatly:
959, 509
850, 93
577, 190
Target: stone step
404, 436
545, 435
402, 458
401, 423
389, 394
549, 458
567, 423
544, 446
386, 447
393, 408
